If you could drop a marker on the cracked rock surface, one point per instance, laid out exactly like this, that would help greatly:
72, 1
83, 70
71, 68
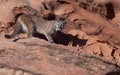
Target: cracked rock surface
43, 58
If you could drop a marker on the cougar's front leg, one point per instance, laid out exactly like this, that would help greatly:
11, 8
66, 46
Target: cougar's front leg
31, 30
49, 37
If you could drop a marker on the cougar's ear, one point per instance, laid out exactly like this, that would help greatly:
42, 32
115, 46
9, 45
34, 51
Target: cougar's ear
64, 18
64, 21
57, 17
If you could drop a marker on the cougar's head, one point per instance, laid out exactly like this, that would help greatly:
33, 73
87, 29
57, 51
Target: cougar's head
60, 24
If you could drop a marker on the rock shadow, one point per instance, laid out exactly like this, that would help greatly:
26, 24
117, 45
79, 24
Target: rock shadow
110, 11
113, 73
65, 39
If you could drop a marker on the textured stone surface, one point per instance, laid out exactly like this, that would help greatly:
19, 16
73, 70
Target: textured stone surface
90, 30
35, 56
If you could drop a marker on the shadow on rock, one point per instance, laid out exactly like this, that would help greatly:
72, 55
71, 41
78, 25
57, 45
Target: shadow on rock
113, 73
65, 39
116, 72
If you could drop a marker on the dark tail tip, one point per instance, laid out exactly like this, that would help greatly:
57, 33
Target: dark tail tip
7, 36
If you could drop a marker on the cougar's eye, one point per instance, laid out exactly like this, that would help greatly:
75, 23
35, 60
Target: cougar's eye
61, 26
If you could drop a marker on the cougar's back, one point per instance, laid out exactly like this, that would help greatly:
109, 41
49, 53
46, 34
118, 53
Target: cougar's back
44, 25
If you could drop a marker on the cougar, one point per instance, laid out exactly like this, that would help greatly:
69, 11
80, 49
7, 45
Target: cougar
31, 23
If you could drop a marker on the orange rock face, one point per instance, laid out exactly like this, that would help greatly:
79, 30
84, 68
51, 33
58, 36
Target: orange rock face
92, 28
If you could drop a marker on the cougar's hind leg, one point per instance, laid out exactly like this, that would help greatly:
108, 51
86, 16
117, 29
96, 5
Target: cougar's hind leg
17, 38
15, 32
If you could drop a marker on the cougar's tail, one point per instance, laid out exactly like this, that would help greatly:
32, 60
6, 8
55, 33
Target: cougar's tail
7, 36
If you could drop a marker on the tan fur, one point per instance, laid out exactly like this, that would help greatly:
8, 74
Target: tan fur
31, 23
